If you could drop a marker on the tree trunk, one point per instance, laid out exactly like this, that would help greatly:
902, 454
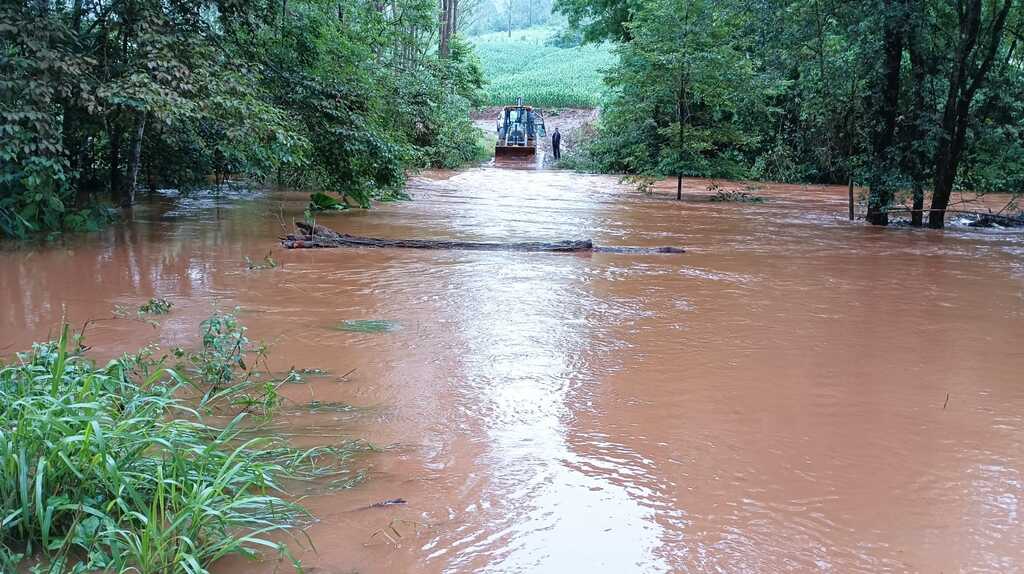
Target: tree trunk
917, 213
453, 26
71, 132
683, 116
150, 176
850, 193
114, 159
881, 193
76, 16
442, 47
962, 86
850, 139
951, 146
679, 175
134, 154
318, 236
72, 142
916, 161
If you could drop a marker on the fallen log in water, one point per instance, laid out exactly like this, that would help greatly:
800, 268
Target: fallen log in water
318, 236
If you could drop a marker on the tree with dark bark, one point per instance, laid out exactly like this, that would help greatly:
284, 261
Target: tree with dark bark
981, 30
449, 20
887, 97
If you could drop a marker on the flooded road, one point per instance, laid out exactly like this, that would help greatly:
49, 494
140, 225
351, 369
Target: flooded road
794, 393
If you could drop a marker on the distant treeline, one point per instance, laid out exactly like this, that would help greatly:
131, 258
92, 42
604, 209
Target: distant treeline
484, 16
101, 97
912, 98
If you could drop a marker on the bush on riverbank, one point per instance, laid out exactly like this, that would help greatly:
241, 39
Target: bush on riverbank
118, 468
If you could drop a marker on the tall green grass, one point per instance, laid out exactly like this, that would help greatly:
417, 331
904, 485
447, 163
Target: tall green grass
119, 468
543, 75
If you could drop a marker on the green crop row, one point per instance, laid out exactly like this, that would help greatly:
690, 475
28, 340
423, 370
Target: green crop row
543, 75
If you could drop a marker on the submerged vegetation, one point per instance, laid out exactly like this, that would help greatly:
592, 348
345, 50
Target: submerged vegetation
746, 195
155, 306
133, 466
369, 326
725, 196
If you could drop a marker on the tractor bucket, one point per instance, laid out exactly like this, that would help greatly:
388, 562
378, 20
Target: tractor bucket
514, 151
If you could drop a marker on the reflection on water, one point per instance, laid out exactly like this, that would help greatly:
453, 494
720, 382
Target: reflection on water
526, 374
772, 400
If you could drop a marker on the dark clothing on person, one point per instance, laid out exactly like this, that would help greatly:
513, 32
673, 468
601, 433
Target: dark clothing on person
556, 139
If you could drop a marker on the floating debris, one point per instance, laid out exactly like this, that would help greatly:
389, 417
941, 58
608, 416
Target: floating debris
369, 326
317, 236
329, 406
736, 196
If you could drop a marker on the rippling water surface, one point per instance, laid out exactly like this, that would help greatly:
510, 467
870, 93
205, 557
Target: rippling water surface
772, 400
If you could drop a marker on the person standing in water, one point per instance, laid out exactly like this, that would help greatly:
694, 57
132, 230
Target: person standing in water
556, 140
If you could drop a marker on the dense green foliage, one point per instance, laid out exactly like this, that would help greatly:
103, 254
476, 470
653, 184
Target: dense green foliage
684, 66
600, 19
529, 65
113, 468
98, 96
911, 97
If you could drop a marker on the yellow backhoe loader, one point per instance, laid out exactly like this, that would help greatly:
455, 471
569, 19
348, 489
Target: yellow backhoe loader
519, 128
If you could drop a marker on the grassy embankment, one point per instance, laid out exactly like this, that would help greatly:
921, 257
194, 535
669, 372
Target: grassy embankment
545, 76
136, 467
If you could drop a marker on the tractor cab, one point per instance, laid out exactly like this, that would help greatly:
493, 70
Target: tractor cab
518, 128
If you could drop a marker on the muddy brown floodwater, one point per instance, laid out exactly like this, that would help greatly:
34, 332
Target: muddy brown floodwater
772, 400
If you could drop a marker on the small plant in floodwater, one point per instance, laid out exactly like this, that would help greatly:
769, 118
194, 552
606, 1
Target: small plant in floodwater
225, 347
112, 468
267, 263
369, 326
227, 366
264, 398
155, 306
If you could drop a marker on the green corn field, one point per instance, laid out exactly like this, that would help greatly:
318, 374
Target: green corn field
545, 76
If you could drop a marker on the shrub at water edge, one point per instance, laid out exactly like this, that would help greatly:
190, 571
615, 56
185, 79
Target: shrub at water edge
115, 468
